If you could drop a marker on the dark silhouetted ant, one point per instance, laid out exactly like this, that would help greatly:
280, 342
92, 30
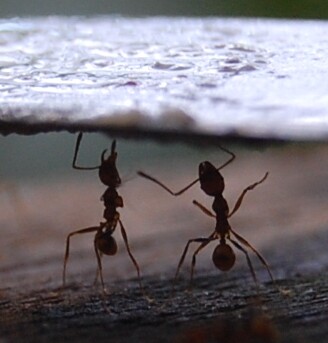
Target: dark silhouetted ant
212, 183
104, 242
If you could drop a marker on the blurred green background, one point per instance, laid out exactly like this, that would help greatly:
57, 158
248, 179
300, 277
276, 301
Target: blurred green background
252, 8
45, 157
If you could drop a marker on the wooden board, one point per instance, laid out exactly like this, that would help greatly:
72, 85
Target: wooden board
194, 79
285, 218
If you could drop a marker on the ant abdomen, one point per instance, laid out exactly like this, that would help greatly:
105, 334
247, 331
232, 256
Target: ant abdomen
223, 257
106, 244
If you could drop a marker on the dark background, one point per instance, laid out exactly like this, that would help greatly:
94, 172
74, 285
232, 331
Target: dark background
245, 8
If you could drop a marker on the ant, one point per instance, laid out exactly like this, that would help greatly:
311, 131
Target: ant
104, 242
212, 183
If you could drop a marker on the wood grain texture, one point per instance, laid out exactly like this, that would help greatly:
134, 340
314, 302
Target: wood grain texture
286, 219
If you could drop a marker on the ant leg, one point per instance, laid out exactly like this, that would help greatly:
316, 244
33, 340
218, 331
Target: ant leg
159, 183
260, 257
125, 238
202, 246
233, 156
241, 197
77, 146
238, 246
99, 270
89, 229
196, 240
203, 208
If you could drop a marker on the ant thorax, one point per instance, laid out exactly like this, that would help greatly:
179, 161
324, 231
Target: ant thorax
111, 198
220, 207
111, 223
111, 201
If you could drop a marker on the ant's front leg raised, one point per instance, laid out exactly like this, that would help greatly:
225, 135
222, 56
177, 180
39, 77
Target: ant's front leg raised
233, 156
181, 191
161, 184
77, 146
241, 197
87, 230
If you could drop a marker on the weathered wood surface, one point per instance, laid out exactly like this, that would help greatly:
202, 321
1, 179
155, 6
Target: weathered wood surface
174, 77
286, 219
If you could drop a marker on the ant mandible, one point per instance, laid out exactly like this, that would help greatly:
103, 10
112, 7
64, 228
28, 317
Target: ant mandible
212, 183
104, 242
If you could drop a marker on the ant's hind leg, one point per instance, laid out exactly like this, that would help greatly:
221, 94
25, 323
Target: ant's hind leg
97, 272
194, 240
202, 246
239, 247
134, 261
259, 256
99, 269
89, 229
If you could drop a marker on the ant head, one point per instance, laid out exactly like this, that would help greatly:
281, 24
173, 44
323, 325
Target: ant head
211, 180
223, 257
108, 172
107, 244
